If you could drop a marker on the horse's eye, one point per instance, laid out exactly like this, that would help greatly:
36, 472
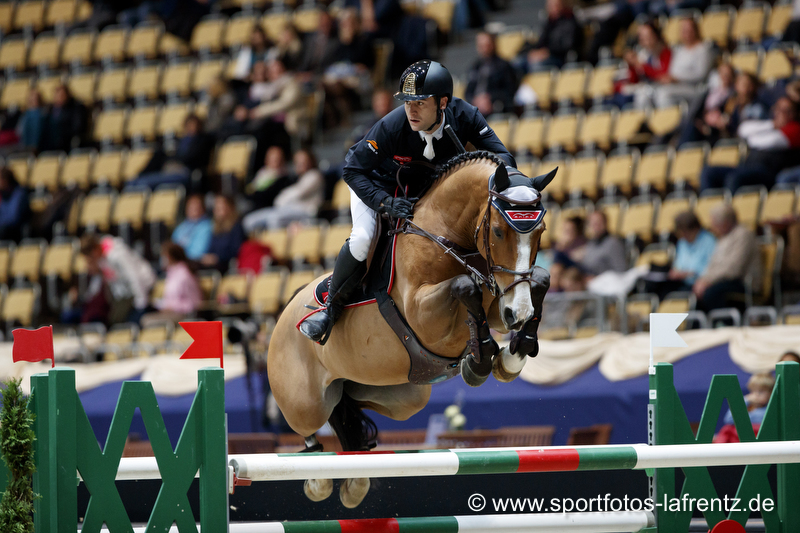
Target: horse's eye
497, 233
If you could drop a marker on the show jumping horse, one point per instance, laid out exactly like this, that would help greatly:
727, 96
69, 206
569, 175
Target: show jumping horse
364, 365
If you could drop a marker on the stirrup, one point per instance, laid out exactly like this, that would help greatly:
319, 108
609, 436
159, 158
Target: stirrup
324, 338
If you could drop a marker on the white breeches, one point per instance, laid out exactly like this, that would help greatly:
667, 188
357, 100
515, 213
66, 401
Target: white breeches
365, 224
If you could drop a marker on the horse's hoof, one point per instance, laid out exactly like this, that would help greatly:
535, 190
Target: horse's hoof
499, 370
470, 377
318, 489
352, 491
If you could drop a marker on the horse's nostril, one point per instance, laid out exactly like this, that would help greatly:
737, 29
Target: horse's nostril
508, 315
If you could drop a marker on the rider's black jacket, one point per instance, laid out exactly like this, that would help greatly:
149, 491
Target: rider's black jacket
371, 164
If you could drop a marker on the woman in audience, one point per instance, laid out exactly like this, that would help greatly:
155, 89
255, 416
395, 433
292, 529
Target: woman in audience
289, 48
182, 294
705, 118
248, 56
299, 201
645, 65
227, 237
691, 62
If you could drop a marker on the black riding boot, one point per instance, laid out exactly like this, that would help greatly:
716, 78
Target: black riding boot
347, 274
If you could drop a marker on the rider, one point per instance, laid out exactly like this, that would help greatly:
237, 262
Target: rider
414, 132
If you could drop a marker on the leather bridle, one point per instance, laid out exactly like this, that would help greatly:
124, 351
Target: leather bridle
461, 255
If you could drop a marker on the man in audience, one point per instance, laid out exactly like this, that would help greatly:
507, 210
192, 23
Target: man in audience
773, 147
194, 233
736, 256
492, 80
603, 252
561, 34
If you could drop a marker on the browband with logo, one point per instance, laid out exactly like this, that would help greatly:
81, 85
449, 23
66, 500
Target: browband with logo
522, 214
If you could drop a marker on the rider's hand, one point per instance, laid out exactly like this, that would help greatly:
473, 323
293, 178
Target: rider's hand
398, 207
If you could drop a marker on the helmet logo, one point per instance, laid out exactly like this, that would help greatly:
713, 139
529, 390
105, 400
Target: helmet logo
410, 84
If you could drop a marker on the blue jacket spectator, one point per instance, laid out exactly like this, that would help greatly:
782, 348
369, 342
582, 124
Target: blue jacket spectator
194, 233
695, 246
31, 124
14, 211
228, 235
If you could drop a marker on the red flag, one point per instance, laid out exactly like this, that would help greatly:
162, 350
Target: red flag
33, 345
207, 338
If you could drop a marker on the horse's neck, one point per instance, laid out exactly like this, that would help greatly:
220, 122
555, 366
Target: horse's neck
454, 206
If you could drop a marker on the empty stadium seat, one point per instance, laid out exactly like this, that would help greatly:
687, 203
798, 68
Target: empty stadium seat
727, 153
96, 210
78, 47
612, 207
112, 84
619, 169
109, 126
749, 22
637, 310
141, 123
677, 302
778, 205
666, 120
136, 161
306, 19
541, 84
583, 173
688, 164
638, 218
144, 81
503, 126
82, 86
45, 51
562, 132
529, 134
658, 254
29, 14
128, 213
46, 170
207, 34
296, 280
440, 11
21, 305
273, 22
27, 260
341, 197
143, 41
306, 243
570, 85
107, 167
779, 18
206, 71
238, 30
777, 63
109, 46
746, 59
77, 168
771, 249
716, 24
601, 80
60, 12
14, 53
235, 156
177, 77
265, 292
232, 294
20, 165
747, 204
277, 240
172, 117
163, 209
558, 187
58, 258
47, 85
511, 41
334, 239
653, 167
596, 128
628, 125
6, 16
6, 252
171, 46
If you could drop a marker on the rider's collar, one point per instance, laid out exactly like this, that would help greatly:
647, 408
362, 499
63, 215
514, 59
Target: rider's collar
522, 218
437, 134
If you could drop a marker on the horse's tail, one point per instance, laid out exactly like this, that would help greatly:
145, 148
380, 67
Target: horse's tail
356, 431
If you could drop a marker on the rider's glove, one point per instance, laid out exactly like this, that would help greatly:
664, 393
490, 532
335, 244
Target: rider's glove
398, 207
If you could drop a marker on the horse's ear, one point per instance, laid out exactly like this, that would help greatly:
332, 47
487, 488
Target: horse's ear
501, 181
540, 182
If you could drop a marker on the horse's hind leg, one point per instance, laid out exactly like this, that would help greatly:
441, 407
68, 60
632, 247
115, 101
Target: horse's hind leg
477, 366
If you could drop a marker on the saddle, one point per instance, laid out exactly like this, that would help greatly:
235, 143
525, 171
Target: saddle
426, 366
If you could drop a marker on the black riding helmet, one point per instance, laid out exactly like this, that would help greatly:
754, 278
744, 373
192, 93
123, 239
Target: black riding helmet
424, 79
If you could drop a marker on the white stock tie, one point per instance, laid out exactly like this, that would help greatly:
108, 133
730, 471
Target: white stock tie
428, 138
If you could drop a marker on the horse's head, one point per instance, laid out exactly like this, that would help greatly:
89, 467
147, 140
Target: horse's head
514, 224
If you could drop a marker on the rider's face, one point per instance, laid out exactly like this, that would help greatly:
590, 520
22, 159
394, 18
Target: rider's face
422, 113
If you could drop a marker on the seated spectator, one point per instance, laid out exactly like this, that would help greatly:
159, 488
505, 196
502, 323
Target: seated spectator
193, 153
790, 357
299, 201
182, 295
773, 147
289, 48
491, 80
270, 179
278, 99
193, 234
227, 237
603, 251
736, 256
568, 250
14, 209
760, 387
248, 56
126, 275
349, 76
320, 48
386, 19
561, 34
65, 123
721, 119
689, 65
560, 312
220, 100
695, 246
31, 124
646, 65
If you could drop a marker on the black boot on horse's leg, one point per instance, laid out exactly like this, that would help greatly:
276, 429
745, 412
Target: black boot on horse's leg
477, 365
347, 274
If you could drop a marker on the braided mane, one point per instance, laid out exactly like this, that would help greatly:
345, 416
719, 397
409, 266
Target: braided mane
466, 158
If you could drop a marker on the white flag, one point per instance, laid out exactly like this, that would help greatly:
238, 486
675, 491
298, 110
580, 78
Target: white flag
663, 328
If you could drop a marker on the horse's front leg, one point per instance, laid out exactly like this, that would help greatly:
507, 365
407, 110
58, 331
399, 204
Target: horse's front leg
524, 342
477, 365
